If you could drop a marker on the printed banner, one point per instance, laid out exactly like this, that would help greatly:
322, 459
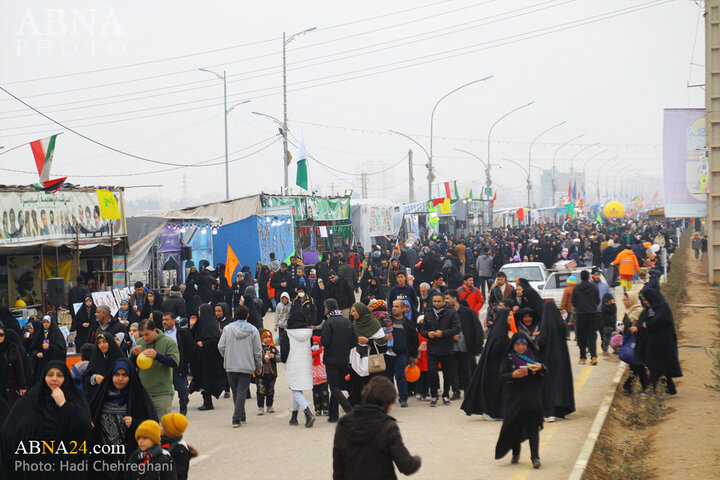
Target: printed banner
31, 218
685, 163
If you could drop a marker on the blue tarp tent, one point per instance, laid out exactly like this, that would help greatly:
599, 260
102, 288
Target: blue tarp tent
254, 238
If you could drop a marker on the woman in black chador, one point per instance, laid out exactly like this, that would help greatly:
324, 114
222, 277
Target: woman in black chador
484, 395
52, 410
209, 375
558, 389
48, 344
522, 375
118, 405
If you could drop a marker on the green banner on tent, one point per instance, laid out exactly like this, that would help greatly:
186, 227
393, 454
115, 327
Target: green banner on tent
311, 207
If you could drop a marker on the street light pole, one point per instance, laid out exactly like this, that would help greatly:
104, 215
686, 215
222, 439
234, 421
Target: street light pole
572, 160
286, 154
488, 183
427, 154
585, 165
225, 111
529, 183
432, 118
554, 174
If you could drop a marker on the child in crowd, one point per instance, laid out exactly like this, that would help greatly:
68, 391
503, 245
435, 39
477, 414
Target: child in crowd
282, 310
79, 370
320, 386
173, 426
265, 378
608, 316
150, 458
422, 386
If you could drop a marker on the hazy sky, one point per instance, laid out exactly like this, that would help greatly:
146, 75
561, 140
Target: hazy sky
125, 73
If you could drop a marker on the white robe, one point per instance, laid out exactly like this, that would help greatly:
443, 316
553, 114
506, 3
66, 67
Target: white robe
298, 367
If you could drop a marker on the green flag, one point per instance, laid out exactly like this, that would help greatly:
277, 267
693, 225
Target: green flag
599, 219
301, 179
570, 207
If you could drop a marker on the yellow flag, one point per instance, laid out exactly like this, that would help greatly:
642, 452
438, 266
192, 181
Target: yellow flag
109, 208
446, 206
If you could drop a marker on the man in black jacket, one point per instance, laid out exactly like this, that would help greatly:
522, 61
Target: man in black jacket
440, 325
184, 340
338, 338
175, 303
469, 342
76, 295
106, 323
341, 291
585, 300
281, 282
405, 346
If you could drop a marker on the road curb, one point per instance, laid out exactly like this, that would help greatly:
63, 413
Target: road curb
589, 445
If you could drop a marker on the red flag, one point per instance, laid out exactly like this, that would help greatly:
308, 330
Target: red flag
437, 201
520, 214
231, 263
495, 196
447, 190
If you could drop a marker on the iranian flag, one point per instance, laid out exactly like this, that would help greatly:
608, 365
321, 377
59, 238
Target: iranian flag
43, 151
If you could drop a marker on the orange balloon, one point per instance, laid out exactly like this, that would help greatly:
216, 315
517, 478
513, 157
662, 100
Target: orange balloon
412, 373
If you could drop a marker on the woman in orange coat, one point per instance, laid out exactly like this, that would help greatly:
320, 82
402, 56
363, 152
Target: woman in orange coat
628, 267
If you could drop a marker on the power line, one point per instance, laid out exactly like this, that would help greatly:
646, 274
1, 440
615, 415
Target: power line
203, 163
212, 51
301, 62
423, 60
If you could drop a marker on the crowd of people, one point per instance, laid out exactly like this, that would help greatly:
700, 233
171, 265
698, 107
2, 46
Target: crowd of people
347, 330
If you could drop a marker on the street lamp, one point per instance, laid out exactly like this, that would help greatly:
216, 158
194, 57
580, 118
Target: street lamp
429, 164
432, 117
223, 77
529, 184
586, 164
572, 160
608, 169
488, 182
286, 156
554, 174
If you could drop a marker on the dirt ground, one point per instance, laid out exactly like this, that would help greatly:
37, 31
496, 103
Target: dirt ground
684, 444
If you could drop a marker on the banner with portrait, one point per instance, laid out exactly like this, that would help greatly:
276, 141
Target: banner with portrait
32, 218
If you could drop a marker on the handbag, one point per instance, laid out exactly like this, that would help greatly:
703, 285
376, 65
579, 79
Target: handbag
376, 361
627, 350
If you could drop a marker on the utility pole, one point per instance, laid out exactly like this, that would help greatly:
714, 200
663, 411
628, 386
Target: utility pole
712, 94
411, 179
363, 179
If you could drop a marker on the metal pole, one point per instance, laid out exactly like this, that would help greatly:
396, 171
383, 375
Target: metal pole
432, 117
227, 172
554, 174
572, 160
529, 184
411, 178
285, 120
488, 183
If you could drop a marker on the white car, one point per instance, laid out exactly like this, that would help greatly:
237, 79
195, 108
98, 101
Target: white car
557, 281
534, 272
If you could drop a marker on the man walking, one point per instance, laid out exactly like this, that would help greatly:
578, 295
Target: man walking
585, 299
483, 265
605, 332
470, 294
184, 341
158, 379
240, 346
441, 324
338, 339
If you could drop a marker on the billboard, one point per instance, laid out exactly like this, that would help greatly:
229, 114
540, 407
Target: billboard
685, 163
31, 217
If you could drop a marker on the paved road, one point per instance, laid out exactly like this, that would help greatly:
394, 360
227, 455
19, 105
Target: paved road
451, 444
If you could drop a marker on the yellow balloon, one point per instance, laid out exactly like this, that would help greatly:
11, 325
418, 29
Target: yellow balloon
144, 362
614, 209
